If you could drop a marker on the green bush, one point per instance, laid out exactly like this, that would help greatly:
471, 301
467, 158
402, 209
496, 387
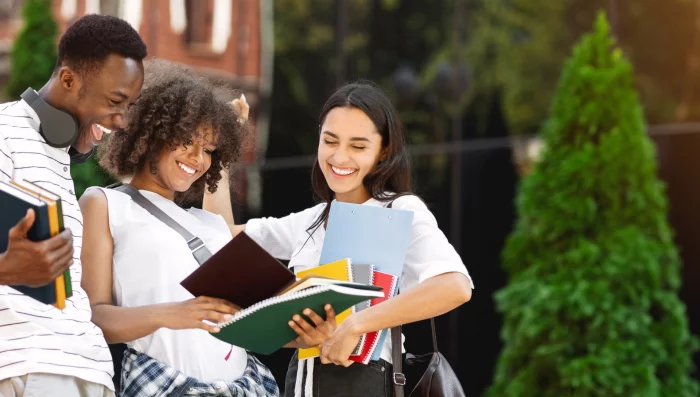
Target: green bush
33, 54
592, 307
89, 174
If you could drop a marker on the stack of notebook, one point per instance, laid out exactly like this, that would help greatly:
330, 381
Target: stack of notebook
373, 341
244, 274
345, 270
15, 199
341, 270
369, 235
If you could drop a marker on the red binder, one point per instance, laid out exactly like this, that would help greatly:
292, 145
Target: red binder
390, 284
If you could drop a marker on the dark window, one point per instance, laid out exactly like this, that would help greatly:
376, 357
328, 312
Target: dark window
199, 21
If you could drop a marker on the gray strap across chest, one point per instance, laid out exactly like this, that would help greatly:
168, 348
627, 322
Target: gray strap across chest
199, 250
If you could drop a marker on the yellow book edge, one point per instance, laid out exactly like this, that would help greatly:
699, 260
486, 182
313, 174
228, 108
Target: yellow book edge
338, 270
60, 281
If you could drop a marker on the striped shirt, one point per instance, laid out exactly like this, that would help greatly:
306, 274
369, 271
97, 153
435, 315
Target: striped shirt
35, 337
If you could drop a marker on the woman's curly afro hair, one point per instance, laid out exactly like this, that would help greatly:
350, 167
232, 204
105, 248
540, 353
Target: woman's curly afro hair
174, 105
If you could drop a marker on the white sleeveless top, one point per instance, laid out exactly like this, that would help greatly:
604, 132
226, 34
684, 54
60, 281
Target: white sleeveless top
150, 260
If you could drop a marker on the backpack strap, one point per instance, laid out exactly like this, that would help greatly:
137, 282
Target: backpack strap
200, 251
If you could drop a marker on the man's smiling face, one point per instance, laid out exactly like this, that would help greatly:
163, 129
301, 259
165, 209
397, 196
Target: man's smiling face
102, 98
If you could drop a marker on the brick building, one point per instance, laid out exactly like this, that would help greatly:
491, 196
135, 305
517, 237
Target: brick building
222, 39
9, 24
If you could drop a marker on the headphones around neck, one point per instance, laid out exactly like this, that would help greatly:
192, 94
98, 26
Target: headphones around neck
58, 127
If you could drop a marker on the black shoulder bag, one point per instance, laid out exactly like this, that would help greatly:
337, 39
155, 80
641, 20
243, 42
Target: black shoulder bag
438, 380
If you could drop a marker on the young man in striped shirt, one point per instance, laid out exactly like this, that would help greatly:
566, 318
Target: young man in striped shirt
45, 351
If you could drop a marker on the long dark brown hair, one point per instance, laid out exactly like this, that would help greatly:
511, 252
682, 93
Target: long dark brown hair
391, 178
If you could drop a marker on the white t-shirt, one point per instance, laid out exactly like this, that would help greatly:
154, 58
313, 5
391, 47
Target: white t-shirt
429, 253
34, 337
150, 260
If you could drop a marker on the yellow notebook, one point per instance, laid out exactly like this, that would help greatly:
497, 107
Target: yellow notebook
339, 270
60, 281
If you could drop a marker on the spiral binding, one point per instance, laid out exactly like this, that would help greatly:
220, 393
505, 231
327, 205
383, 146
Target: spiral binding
296, 295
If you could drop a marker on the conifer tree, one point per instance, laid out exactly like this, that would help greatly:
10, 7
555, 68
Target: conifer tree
591, 308
33, 56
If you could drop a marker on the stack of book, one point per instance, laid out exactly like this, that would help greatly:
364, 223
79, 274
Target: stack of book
364, 274
363, 252
369, 235
244, 274
16, 197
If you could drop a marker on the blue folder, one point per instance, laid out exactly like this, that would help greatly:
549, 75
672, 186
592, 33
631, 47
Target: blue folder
367, 234
371, 235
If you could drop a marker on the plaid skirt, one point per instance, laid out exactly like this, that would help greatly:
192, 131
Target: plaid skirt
144, 376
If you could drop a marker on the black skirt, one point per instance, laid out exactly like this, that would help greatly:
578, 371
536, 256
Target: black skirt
329, 380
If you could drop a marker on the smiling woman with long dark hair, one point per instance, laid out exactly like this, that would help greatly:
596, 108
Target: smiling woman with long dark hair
362, 158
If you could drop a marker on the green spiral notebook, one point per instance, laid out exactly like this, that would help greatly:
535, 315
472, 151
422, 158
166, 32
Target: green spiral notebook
263, 327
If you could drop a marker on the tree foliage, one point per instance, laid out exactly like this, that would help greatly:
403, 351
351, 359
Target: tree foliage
518, 47
592, 307
33, 54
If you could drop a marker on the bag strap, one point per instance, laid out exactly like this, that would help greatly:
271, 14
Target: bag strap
398, 377
199, 250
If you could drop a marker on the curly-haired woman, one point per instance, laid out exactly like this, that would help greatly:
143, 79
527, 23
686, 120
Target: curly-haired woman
179, 136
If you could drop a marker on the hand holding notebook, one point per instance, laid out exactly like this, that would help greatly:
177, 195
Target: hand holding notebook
339, 270
37, 252
244, 274
345, 270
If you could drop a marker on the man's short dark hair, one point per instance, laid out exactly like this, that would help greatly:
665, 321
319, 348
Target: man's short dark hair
92, 38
